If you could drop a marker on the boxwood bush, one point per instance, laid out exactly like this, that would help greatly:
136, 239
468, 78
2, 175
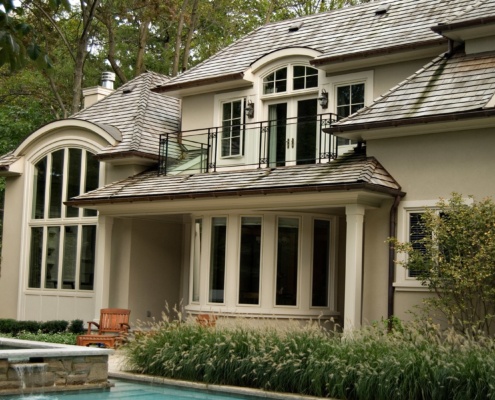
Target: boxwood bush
411, 362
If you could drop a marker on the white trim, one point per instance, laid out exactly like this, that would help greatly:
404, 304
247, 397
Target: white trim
63, 127
282, 54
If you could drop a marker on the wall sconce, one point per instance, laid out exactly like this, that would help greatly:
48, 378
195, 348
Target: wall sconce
249, 109
323, 99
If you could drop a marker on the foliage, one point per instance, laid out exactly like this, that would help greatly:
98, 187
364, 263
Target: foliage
456, 261
54, 327
59, 337
415, 362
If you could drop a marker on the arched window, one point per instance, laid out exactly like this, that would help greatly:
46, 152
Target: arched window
62, 238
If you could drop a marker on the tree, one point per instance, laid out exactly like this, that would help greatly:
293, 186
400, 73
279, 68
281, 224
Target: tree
455, 259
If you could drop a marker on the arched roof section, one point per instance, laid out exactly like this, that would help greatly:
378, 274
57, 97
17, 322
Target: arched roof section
283, 53
103, 135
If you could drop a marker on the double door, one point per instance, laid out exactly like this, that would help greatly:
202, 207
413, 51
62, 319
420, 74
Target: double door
293, 132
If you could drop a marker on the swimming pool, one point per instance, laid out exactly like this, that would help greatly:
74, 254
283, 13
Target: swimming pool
134, 390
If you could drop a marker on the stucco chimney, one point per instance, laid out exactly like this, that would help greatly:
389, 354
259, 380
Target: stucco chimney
94, 94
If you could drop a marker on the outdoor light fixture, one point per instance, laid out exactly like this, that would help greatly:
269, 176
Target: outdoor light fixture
323, 99
249, 109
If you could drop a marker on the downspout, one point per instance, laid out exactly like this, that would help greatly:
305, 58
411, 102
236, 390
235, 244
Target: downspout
391, 258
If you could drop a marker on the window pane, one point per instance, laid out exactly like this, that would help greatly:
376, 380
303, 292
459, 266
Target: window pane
92, 179
87, 268
358, 93
35, 258
321, 263
299, 70
231, 128
298, 83
217, 261
287, 261
249, 265
57, 181
198, 226
416, 233
39, 189
312, 81
70, 258
52, 257
343, 96
74, 179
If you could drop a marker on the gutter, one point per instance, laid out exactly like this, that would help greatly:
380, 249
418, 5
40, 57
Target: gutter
411, 121
211, 194
125, 154
377, 52
199, 82
391, 257
463, 24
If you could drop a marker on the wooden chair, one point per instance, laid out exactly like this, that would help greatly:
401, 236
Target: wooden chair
207, 320
112, 329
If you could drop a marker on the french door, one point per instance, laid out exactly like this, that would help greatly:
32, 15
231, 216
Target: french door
292, 132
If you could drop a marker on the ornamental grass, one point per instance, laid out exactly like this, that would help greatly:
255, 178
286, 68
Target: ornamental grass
413, 361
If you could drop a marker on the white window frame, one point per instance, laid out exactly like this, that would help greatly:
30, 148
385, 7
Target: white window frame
242, 126
336, 81
404, 282
61, 221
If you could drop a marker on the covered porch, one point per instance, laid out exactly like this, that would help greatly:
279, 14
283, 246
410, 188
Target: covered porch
281, 243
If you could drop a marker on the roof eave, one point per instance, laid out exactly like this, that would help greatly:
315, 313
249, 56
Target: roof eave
408, 126
321, 62
247, 192
443, 28
181, 88
128, 157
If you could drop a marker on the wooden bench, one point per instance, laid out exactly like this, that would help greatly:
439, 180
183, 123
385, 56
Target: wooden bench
112, 329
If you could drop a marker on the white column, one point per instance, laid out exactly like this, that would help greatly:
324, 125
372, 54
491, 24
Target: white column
103, 262
353, 266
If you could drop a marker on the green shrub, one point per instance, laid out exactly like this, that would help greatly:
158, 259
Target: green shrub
76, 326
59, 337
415, 362
27, 326
7, 325
54, 326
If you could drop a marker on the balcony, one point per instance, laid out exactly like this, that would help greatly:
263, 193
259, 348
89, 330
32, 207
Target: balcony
266, 144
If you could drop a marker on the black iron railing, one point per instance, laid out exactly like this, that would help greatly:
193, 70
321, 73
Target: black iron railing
266, 144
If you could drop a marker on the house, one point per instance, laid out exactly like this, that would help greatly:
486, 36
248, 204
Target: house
300, 149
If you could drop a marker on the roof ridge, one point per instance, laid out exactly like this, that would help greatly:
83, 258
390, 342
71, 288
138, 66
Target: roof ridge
142, 106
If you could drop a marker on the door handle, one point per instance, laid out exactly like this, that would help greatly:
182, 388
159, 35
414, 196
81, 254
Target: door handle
292, 142
288, 143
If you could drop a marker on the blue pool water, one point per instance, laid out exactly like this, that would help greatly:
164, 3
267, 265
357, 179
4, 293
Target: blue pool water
133, 390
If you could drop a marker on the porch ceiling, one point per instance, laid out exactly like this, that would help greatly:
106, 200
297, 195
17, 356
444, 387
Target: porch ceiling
352, 178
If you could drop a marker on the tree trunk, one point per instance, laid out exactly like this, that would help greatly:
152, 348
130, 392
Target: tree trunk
187, 46
88, 9
178, 40
143, 38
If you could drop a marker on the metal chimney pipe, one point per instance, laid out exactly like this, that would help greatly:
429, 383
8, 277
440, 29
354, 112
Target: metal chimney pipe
107, 80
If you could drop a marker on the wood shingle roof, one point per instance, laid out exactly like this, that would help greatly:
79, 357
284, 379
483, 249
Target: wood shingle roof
138, 113
353, 170
338, 33
448, 85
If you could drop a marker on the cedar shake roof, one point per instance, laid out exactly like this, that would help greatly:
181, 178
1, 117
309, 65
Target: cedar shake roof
447, 86
477, 10
138, 113
351, 171
348, 32
7, 160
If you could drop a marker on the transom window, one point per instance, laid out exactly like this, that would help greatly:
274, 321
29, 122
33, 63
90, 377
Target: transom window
62, 239
300, 76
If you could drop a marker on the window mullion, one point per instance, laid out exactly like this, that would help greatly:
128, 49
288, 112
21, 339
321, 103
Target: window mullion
48, 183
82, 185
43, 257
65, 183
78, 258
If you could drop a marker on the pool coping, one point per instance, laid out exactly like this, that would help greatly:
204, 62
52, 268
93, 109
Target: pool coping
223, 389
